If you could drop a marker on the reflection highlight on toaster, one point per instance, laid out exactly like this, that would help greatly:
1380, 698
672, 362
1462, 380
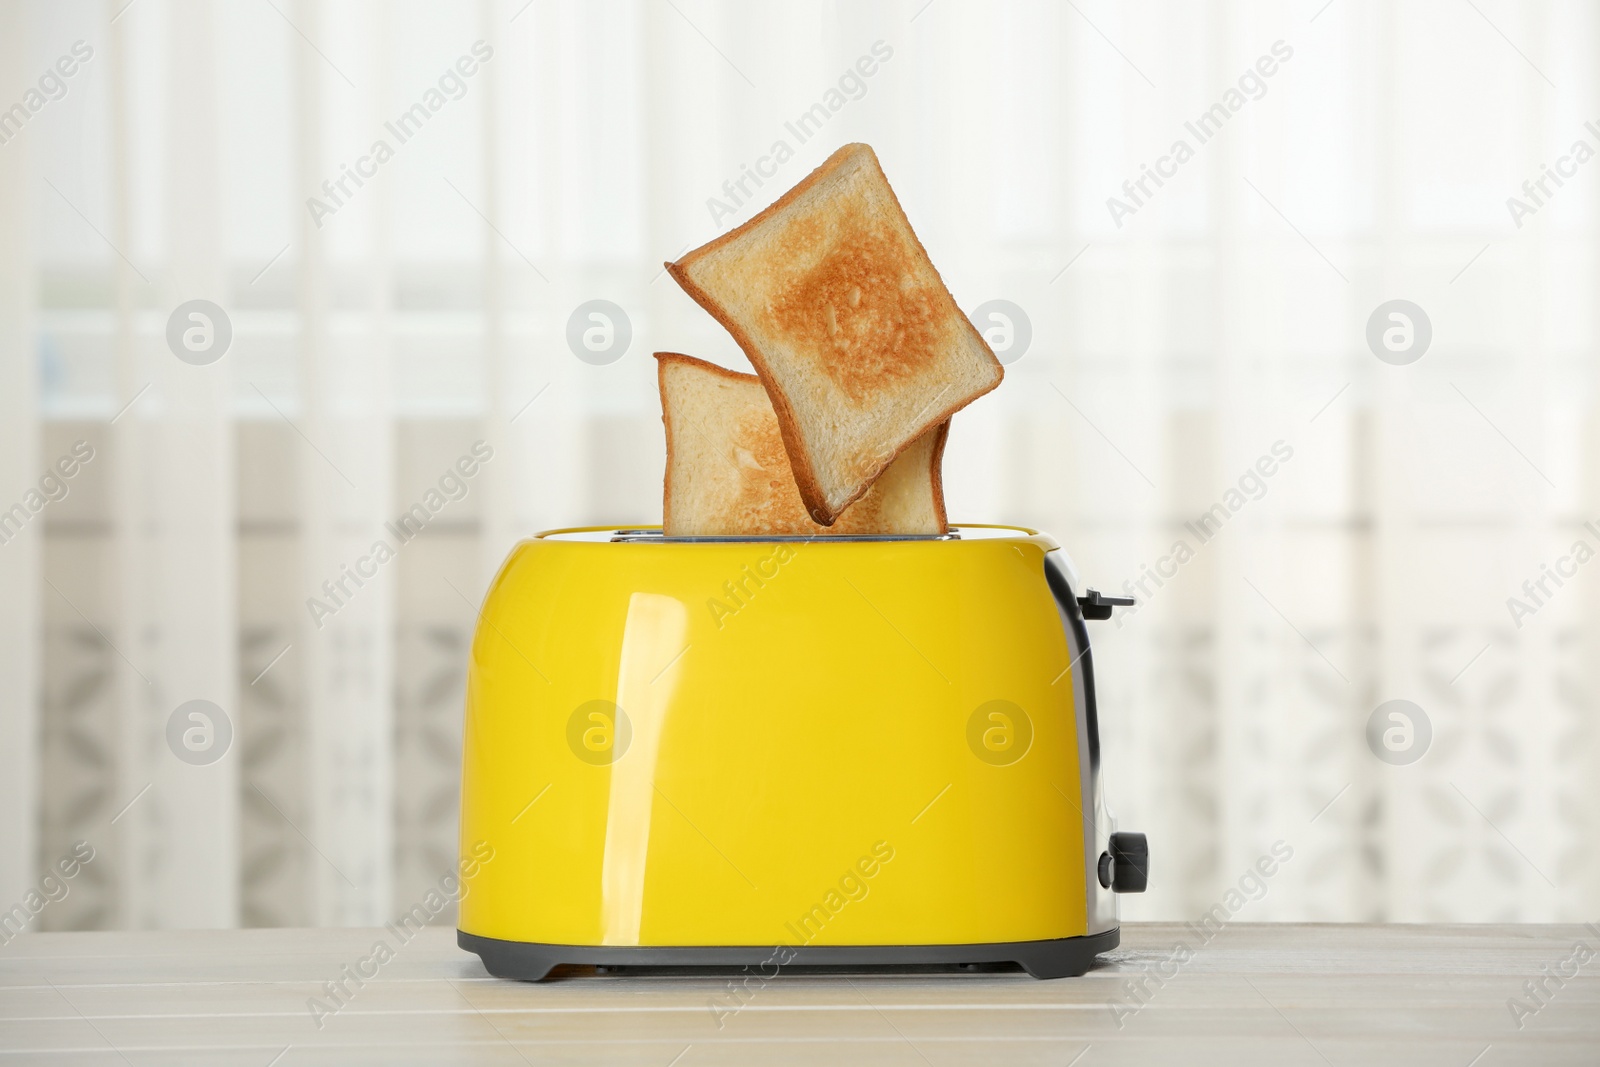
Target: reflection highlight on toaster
853, 885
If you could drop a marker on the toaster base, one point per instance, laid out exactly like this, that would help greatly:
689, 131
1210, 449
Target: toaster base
528, 961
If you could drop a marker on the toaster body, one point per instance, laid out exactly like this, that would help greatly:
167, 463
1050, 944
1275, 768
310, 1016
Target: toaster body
786, 753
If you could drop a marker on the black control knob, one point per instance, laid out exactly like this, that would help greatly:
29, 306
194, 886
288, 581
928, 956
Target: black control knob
1130, 863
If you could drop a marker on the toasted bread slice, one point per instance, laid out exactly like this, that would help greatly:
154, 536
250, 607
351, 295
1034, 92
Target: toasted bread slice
858, 342
728, 473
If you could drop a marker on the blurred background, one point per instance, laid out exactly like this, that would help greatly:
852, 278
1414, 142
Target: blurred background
254, 337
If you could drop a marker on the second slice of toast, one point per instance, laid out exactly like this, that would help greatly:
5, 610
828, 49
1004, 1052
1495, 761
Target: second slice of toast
728, 472
833, 299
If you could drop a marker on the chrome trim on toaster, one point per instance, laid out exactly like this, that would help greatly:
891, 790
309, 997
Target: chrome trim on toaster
654, 535
657, 537
1100, 902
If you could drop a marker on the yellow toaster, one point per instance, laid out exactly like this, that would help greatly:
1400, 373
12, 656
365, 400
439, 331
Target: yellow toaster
787, 753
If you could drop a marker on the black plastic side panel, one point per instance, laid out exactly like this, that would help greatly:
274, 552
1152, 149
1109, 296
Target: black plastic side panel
1068, 602
528, 961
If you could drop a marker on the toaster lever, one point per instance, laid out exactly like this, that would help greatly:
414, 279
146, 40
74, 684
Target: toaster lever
1096, 605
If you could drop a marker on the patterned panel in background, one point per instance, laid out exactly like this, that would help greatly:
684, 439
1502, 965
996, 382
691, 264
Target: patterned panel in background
275, 859
1461, 812
1188, 748
1577, 810
79, 748
1331, 812
273, 884
78, 766
430, 661
1466, 782
440, 586
86, 663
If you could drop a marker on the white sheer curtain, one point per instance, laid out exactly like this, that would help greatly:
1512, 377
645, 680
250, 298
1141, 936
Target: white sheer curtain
1176, 339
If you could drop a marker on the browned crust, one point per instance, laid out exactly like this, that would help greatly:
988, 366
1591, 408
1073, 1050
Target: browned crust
666, 427
935, 465
805, 475
937, 472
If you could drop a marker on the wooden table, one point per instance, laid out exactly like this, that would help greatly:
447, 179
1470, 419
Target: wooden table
1282, 994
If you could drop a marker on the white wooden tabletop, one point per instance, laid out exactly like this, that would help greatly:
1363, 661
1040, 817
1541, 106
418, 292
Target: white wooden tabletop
1282, 994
